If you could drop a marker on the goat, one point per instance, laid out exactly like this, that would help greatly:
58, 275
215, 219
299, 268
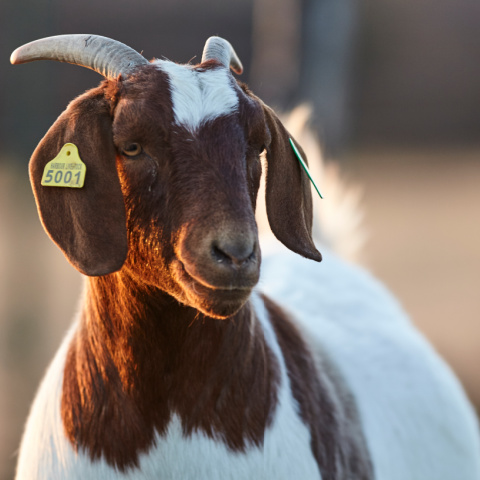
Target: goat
178, 366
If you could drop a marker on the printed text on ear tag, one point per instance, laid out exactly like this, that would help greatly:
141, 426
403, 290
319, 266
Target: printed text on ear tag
66, 169
304, 165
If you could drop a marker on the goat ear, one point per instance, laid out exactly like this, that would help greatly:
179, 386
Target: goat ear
288, 194
88, 224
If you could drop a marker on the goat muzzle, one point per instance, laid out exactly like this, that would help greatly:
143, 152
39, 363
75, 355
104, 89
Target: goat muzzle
219, 268
235, 257
222, 261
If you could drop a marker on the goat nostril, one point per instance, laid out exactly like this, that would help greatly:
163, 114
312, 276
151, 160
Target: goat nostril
219, 256
234, 255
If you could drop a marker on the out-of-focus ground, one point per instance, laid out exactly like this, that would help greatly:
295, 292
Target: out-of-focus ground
424, 235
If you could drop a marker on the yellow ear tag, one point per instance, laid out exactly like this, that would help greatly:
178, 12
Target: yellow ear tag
66, 169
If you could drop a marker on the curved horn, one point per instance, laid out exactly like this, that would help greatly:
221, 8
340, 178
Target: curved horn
104, 55
219, 49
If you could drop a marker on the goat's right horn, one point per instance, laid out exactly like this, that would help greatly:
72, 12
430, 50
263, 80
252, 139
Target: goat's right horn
219, 49
103, 55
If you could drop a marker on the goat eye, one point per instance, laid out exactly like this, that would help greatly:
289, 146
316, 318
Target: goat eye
132, 149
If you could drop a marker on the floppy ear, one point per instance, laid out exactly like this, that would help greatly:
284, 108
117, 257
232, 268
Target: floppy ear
288, 194
89, 223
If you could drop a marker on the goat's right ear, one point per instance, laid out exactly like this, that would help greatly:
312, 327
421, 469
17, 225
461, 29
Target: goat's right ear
288, 194
88, 224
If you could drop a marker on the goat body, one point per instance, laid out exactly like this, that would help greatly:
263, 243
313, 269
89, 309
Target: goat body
178, 366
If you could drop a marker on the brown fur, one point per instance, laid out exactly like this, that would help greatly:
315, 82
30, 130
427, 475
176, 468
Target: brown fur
139, 357
95, 244
326, 405
290, 216
166, 326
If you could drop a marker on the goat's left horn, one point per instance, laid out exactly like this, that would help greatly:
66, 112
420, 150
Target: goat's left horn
101, 54
219, 49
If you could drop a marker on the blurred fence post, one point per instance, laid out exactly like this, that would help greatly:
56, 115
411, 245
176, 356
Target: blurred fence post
303, 50
328, 49
276, 50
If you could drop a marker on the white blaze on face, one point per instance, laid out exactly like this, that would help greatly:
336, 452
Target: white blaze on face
199, 96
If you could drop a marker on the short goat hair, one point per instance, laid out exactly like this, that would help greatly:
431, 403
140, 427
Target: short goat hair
89, 224
186, 361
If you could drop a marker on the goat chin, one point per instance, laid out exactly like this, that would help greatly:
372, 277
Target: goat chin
217, 308
215, 302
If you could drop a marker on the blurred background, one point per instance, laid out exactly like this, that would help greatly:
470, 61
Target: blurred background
396, 102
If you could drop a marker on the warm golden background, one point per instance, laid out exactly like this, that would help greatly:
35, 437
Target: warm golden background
395, 87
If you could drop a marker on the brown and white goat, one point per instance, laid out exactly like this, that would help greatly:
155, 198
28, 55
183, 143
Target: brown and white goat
177, 367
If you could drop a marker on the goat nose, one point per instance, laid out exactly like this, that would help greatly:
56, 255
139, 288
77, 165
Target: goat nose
236, 253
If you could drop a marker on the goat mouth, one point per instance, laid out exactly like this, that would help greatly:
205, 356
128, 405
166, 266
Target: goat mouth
234, 283
215, 301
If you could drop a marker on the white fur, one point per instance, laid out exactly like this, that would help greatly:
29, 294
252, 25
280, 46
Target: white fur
46, 453
199, 96
287, 443
417, 420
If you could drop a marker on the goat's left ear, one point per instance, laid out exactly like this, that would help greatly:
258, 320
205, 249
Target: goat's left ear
88, 224
288, 194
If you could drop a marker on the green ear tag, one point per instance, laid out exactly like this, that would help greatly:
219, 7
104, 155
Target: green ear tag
304, 165
66, 169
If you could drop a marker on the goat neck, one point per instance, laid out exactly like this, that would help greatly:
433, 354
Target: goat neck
139, 351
